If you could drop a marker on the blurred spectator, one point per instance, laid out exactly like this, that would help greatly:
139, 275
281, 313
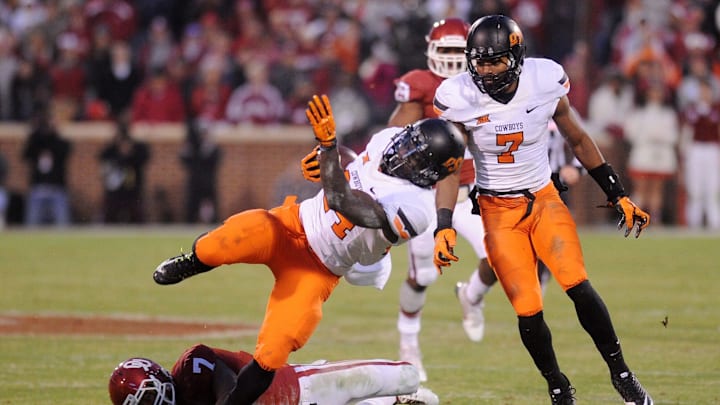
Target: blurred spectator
531, 16
701, 159
73, 21
653, 133
604, 20
576, 66
123, 163
210, 95
689, 37
644, 57
8, 68
118, 15
285, 72
98, 58
158, 100
36, 48
158, 47
201, 158
192, 46
560, 19
68, 78
441, 9
408, 40
303, 91
377, 73
253, 44
607, 107
27, 15
46, 154
698, 70
30, 90
484, 7
337, 35
353, 116
257, 101
4, 194
117, 81
246, 10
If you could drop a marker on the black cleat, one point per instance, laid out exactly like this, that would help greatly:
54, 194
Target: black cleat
178, 268
630, 389
564, 395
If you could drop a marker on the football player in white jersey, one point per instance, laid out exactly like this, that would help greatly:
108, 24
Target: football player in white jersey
380, 200
503, 103
414, 95
471, 293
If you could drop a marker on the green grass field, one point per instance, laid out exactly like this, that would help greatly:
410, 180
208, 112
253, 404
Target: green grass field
108, 272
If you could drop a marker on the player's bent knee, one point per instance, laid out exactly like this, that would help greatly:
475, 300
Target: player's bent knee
271, 357
409, 380
582, 292
426, 275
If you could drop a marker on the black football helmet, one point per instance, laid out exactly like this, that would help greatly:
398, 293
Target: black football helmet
425, 152
491, 37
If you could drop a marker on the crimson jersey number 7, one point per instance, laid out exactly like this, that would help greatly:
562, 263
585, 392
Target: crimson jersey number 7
514, 139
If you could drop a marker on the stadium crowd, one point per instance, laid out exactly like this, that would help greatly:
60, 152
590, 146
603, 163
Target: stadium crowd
637, 67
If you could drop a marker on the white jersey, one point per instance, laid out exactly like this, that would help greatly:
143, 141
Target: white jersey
338, 243
509, 142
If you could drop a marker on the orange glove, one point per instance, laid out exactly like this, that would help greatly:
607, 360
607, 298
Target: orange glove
320, 115
311, 166
630, 215
445, 240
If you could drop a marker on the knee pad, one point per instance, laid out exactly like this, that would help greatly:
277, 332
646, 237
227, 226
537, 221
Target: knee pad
422, 269
420, 259
411, 300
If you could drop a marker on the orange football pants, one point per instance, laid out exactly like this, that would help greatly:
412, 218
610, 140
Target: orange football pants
277, 239
514, 246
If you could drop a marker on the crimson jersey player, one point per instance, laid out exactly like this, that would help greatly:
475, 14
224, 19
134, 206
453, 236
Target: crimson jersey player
414, 93
203, 374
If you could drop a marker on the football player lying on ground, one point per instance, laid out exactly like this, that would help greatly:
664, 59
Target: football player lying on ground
203, 374
309, 246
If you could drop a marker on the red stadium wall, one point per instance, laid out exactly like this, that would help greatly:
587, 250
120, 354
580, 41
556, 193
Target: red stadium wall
253, 160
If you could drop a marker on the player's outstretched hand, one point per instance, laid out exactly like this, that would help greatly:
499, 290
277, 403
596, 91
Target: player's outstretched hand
310, 165
630, 216
321, 118
445, 240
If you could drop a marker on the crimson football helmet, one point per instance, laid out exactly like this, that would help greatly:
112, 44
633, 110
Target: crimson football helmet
492, 37
446, 43
140, 381
425, 152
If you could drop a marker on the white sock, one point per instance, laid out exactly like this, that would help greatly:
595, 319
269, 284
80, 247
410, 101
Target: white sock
409, 328
476, 289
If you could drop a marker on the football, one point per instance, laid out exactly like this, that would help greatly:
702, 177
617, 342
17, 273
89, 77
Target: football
347, 155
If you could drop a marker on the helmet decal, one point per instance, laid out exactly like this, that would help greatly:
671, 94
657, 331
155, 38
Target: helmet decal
515, 38
453, 164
